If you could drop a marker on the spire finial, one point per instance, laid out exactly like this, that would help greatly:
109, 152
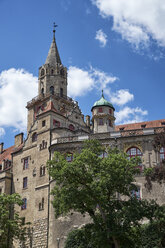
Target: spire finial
54, 29
102, 94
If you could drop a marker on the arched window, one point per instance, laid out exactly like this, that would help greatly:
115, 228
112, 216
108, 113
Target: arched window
42, 72
52, 90
34, 137
71, 127
52, 71
42, 91
162, 153
134, 152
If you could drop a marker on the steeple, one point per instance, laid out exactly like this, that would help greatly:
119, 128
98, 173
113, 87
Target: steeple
53, 58
53, 75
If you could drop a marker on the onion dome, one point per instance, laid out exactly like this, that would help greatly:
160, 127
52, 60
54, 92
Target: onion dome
102, 102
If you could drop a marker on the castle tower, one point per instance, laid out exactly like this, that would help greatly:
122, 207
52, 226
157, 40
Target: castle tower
53, 75
103, 116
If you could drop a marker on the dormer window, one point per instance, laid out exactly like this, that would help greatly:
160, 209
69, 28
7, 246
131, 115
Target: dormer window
163, 123
143, 126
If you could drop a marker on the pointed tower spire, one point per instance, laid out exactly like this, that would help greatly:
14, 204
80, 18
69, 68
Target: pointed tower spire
53, 58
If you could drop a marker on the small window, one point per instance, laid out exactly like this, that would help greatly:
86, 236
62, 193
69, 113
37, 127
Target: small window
103, 155
25, 179
24, 205
0, 167
42, 72
42, 91
34, 137
42, 171
101, 123
52, 90
41, 205
25, 163
143, 126
136, 193
121, 128
61, 92
69, 157
71, 127
43, 123
56, 123
100, 110
110, 123
62, 72
163, 123
52, 71
110, 111
162, 154
0, 191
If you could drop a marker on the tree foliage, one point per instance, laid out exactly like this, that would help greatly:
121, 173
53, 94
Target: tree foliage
11, 225
103, 189
156, 173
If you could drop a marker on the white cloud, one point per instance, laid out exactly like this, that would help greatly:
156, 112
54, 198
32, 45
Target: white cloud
101, 37
81, 81
16, 88
130, 115
2, 131
138, 21
121, 97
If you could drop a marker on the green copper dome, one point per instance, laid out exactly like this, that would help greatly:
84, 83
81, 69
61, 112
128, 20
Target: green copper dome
102, 102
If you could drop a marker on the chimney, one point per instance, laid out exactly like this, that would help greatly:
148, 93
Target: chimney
18, 139
1, 147
88, 120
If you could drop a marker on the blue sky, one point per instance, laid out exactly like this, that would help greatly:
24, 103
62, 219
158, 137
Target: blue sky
114, 45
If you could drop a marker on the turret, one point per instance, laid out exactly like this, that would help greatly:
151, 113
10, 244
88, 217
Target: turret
103, 116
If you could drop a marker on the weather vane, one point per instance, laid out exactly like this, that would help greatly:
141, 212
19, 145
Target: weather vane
54, 25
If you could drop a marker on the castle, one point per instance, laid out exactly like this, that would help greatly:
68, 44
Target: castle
56, 123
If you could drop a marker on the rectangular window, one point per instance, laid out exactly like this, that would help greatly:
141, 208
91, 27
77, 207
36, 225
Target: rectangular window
69, 157
110, 123
100, 110
136, 193
61, 92
101, 123
0, 191
43, 123
24, 205
25, 179
56, 123
25, 163
110, 111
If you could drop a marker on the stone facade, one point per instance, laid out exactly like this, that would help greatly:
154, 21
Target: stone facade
56, 123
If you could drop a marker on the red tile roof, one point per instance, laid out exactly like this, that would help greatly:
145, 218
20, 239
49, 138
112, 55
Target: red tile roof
6, 154
141, 125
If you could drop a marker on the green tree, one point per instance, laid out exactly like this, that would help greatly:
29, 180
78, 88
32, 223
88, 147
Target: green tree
11, 225
101, 188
